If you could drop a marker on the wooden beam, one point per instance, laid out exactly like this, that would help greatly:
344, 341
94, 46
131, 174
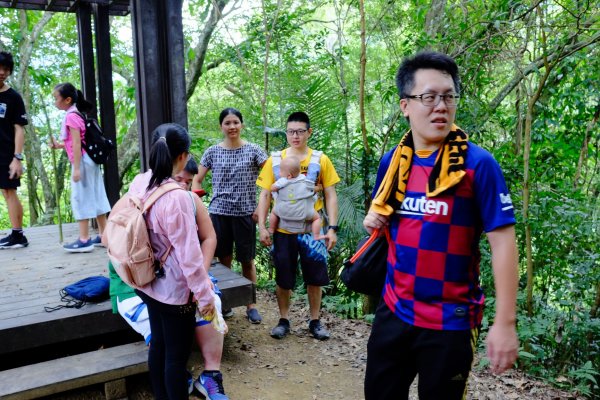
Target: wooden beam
56, 376
86, 53
50, 5
159, 67
106, 98
73, 6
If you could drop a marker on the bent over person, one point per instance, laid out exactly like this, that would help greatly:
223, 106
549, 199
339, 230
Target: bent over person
436, 193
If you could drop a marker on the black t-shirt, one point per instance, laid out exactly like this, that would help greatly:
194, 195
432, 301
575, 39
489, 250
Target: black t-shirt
12, 111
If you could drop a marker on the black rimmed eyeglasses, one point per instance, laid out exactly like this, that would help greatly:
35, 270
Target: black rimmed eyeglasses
433, 99
297, 132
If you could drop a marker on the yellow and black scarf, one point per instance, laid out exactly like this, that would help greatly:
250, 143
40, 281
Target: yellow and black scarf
448, 170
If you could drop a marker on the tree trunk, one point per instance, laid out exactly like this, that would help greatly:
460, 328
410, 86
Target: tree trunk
268, 37
435, 17
36, 169
584, 147
526, 163
195, 66
339, 58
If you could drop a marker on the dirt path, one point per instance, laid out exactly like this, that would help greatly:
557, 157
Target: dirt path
257, 367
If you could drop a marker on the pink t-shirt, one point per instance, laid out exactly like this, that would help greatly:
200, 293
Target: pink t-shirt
172, 221
72, 120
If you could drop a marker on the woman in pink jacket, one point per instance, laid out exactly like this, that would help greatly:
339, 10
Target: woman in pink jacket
172, 298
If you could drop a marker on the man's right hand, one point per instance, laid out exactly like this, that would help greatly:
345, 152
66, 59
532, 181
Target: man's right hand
375, 221
264, 237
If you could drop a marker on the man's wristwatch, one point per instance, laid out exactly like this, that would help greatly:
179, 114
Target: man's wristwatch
19, 156
335, 228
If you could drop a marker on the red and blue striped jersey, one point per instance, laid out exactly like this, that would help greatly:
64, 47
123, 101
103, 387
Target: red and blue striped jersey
433, 258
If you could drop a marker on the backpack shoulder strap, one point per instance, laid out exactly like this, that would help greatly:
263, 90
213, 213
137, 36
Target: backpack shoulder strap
276, 158
162, 189
314, 166
83, 117
316, 155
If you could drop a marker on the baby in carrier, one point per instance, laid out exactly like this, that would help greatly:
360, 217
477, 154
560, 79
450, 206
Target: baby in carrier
294, 201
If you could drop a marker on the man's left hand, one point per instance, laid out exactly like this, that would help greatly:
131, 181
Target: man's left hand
330, 239
502, 347
15, 169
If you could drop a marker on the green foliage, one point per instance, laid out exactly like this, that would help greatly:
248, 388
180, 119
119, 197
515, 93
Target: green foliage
314, 64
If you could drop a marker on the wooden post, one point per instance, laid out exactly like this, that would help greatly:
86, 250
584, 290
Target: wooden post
106, 98
86, 52
159, 67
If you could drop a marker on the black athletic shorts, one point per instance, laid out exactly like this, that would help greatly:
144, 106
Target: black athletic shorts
398, 351
238, 230
5, 182
313, 259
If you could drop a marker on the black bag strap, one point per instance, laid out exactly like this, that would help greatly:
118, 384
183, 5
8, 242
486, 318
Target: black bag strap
68, 300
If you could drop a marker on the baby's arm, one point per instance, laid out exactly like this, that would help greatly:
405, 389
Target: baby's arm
279, 184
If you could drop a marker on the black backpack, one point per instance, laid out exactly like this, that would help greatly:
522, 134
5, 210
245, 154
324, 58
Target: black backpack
96, 145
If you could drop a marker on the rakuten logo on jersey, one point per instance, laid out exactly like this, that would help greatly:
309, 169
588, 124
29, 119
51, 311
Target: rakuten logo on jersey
506, 202
423, 206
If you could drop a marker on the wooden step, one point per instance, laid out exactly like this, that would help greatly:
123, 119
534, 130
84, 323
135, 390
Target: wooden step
55, 376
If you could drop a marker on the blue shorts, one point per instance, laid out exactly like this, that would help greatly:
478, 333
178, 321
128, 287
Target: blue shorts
313, 259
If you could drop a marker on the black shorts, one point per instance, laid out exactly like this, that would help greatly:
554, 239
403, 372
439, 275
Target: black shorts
398, 351
5, 182
313, 259
238, 230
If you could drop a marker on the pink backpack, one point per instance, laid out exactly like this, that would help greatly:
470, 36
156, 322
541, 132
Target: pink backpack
127, 240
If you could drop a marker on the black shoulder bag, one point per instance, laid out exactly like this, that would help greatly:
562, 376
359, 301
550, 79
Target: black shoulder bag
365, 272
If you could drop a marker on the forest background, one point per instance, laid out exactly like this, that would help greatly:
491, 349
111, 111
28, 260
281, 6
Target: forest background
530, 95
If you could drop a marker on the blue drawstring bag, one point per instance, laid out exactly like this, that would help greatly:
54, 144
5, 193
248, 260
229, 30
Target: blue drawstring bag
93, 289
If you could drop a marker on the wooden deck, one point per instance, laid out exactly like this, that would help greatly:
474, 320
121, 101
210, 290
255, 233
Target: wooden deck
31, 278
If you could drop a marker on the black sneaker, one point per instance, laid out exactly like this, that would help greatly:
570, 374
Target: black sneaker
282, 329
14, 241
317, 330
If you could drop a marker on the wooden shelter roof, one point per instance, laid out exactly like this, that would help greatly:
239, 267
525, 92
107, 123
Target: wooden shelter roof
115, 7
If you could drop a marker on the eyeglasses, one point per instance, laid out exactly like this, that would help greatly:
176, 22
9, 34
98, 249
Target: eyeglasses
433, 99
297, 132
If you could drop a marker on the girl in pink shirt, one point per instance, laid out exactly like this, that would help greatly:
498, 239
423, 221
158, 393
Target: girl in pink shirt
88, 196
173, 298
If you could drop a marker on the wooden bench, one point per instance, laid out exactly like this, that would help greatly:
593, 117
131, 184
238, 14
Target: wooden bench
31, 279
107, 366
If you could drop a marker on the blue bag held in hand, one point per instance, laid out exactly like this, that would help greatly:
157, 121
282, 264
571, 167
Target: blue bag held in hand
93, 289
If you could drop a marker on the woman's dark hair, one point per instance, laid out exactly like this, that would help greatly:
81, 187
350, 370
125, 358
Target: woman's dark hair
169, 141
6, 60
405, 77
228, 111
68, 90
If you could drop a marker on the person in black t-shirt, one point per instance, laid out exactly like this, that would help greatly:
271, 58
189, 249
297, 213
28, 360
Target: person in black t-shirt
12, 137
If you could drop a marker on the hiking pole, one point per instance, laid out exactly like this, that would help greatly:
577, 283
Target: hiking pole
56, 195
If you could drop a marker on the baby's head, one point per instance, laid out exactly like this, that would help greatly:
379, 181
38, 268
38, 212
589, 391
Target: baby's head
289, 167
